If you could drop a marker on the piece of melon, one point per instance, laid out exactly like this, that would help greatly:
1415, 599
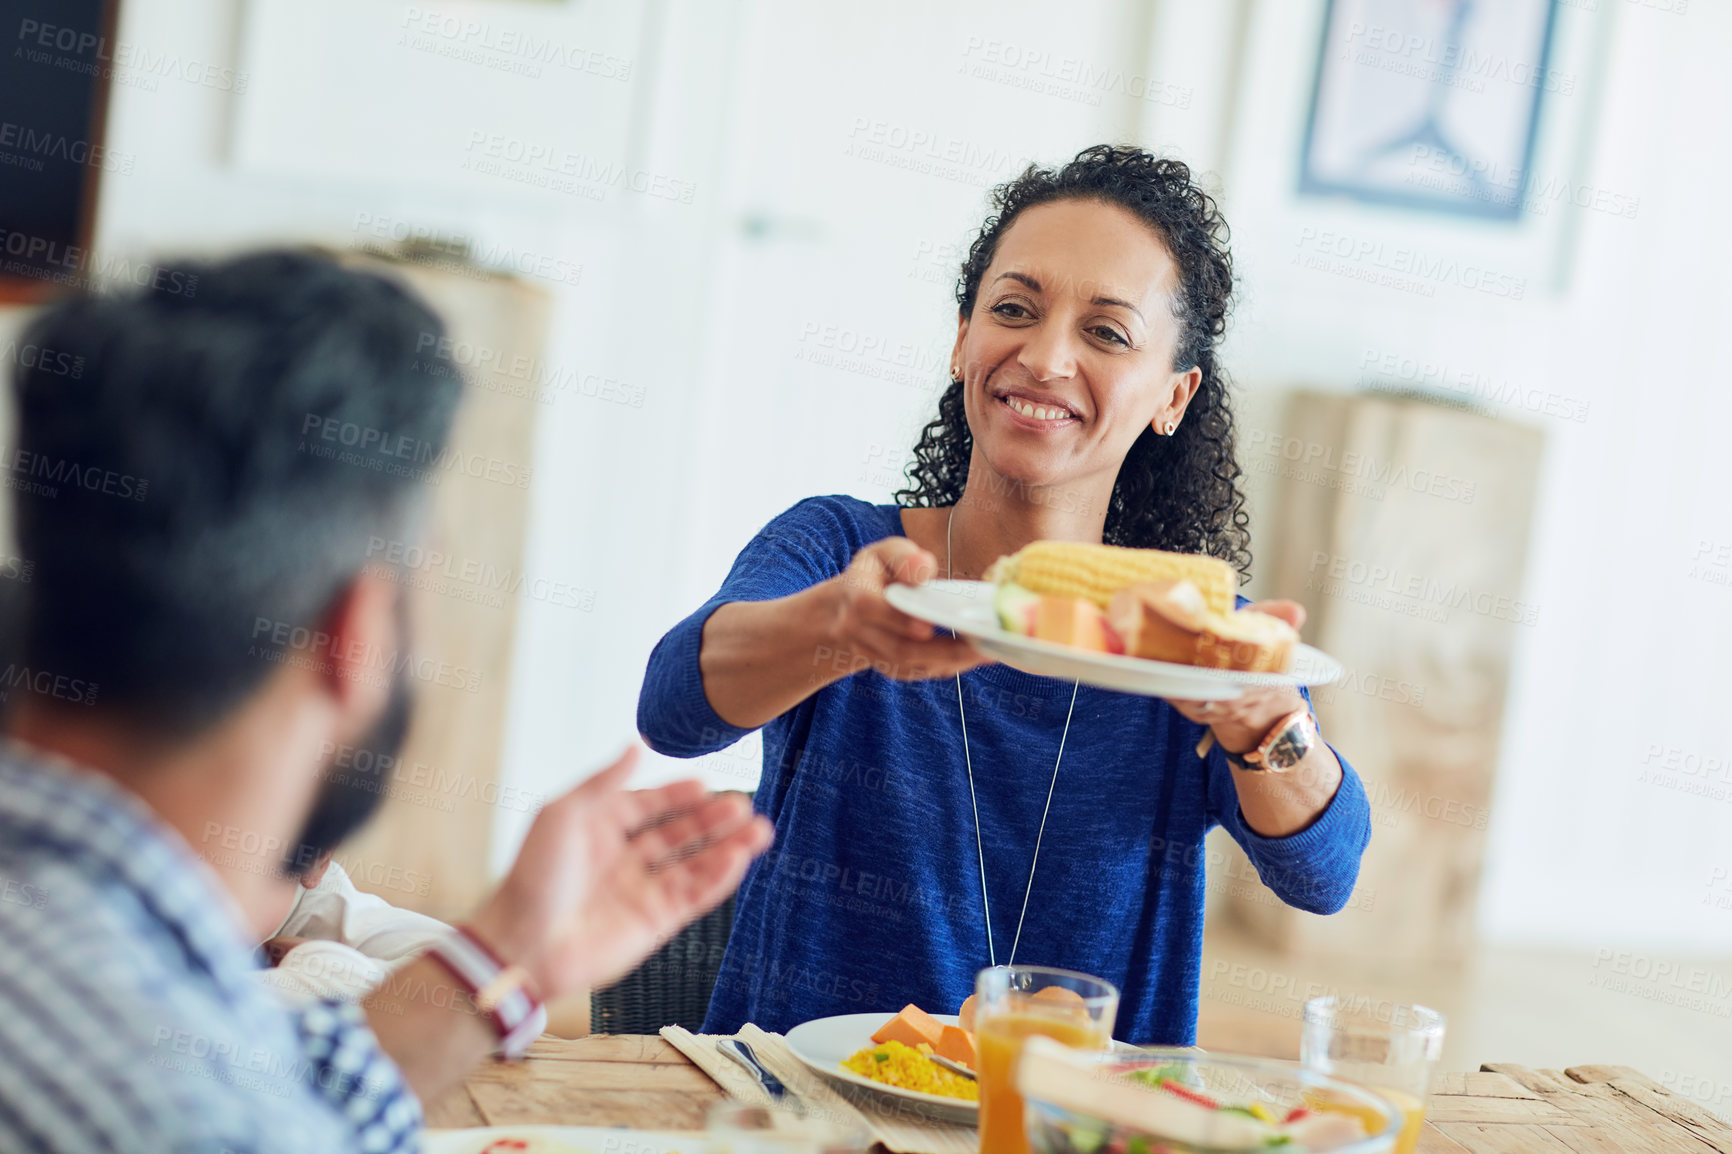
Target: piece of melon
1074, 621
965, 1016
911, 1027
957, 1044
1062, 994
1016, 607
1059, 1002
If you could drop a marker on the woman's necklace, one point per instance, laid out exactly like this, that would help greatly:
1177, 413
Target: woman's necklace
968, 762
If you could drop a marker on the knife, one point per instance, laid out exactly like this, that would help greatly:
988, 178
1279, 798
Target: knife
741, 1052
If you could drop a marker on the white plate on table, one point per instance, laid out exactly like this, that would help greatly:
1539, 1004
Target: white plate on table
587, 1139
965, 607
824, 1042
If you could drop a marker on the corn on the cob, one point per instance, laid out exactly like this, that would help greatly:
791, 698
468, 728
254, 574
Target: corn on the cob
1073, 569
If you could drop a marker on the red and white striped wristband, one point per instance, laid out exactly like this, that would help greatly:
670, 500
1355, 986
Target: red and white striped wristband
498, 990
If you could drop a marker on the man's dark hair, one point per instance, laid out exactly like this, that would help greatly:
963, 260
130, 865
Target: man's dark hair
218, 460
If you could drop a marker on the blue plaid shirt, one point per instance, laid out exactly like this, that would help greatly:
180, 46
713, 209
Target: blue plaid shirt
131, 1013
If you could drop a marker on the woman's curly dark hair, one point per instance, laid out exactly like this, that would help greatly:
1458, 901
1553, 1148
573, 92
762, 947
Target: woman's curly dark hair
1179, 492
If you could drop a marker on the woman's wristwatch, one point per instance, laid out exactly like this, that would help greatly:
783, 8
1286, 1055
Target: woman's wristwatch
1282, 748
498, 990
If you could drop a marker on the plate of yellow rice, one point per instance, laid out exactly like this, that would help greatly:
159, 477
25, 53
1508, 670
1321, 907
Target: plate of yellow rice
841, 1048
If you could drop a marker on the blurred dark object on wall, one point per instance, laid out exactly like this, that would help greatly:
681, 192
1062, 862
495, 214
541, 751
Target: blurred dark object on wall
61, 59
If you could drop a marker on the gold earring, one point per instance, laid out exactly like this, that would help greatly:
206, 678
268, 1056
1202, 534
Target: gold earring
955, 375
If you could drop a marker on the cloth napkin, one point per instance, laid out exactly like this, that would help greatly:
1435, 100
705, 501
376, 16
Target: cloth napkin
897, 1131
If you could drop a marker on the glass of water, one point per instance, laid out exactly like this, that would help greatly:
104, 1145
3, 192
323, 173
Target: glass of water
1389, 1048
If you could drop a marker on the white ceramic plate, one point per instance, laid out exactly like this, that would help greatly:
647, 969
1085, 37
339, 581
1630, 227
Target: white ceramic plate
587, 1139
824, 1042
966, 608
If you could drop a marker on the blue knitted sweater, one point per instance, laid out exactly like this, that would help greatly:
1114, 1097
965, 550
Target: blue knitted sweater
871, 896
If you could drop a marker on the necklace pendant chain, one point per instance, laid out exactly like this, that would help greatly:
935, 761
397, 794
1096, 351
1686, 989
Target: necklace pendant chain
968, 763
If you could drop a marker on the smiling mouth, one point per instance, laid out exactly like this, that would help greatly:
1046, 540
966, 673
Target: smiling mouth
1036, 412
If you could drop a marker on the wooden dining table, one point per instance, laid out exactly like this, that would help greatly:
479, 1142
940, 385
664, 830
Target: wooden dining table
643, 1083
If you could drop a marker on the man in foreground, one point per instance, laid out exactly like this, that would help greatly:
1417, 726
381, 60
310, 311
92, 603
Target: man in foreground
131, 1017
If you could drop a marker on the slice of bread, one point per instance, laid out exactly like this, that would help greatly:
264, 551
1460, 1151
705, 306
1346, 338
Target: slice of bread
1171, 621
1159, 620
1247, 640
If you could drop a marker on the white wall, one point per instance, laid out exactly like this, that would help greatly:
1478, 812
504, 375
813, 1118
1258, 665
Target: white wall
716, 309
1623, 314
355, 114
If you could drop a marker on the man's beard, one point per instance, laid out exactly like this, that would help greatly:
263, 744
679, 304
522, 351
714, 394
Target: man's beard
350, 794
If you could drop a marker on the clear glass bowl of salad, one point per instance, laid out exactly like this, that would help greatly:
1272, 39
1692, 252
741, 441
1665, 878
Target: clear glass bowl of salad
1179, 1101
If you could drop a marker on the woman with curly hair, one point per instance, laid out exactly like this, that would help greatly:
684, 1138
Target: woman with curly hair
935, 813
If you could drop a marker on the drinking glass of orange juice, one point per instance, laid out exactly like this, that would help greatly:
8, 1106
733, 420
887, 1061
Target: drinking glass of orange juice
1387, 1047
1013, 1003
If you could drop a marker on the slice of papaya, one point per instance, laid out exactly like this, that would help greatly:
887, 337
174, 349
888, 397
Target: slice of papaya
911, 1027
957, 1044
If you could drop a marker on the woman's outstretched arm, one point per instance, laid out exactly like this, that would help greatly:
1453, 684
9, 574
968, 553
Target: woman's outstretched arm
759, 659
1274, 804
802, 608
1304, 829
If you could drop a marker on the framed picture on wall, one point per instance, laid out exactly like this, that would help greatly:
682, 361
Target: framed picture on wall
1431, 104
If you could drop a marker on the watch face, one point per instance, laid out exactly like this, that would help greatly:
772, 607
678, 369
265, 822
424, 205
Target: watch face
1290, 746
